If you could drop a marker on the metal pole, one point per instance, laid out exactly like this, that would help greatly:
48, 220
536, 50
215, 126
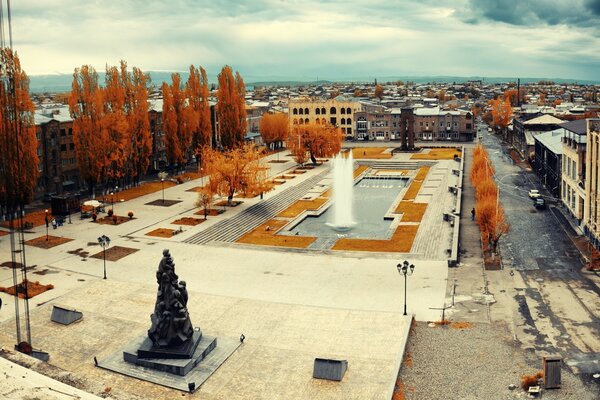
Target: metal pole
104, 247
405, 293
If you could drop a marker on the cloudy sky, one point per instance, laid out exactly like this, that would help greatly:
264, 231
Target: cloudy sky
306, 39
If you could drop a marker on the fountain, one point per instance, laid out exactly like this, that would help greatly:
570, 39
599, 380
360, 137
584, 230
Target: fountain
343, 193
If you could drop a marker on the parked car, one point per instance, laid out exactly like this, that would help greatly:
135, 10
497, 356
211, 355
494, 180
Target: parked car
534, 194
539, 203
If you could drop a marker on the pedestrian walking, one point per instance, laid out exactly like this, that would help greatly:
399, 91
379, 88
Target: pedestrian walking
53, 223
473, 214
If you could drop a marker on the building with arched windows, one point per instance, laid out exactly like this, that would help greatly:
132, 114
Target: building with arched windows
338, 112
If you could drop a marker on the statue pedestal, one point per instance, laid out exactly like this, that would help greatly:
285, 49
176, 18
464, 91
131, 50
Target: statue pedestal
149, 350
171, 360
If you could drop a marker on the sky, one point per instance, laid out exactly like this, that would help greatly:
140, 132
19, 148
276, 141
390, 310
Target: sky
309, 39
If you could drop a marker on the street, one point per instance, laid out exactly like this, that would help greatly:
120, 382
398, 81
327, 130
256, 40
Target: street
558, 300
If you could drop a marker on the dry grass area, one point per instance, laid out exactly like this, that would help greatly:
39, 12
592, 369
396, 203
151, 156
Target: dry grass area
52, 241
33, 289
412, 212
265, 235
370, 153
461, 325
115, 253
401, 242
301, 205
437, 154
188, 221
162, 232
415, 185
35, 218
137, 191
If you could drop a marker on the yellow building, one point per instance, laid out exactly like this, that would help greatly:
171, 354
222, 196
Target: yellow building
592, 184
338, 112
573, 167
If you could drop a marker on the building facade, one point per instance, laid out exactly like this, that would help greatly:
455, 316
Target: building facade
592, 182
548, 156
435, 124
574, 168
338, 112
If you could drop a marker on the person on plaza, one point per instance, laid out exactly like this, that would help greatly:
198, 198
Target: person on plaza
54, 223
473, 214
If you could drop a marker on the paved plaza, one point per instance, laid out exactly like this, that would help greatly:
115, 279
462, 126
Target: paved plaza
292, 306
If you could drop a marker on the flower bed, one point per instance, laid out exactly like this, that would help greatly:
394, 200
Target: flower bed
33, 289
52, 241
162, 232
212, 212
111, 221
188, 221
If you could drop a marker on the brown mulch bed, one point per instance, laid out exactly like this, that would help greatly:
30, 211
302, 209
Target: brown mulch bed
165, 203
163, 232
110, 221
3, 233
115, 253
265, 235
278, 161
491, 264
52, 241
33, 289
212, 212
188, 221
224, 203
401, 241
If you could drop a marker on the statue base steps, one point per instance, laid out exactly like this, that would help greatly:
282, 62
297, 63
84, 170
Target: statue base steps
202, 346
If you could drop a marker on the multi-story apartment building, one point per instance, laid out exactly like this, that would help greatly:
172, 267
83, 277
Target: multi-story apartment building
526, 127
338, 112
58, 170
592, 182
435, 124
573, 167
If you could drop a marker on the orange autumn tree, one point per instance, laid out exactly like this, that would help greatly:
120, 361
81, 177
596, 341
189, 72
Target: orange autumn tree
241, 169
319, 140
297, 146
86, 105
197, 94
178, 122
231, 108
379, 92
115, 125
18, 143
501, 113
136, 110
488, 209
274, 128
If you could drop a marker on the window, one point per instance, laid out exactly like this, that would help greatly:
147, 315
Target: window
348, 120
71, 146
323, 111
318, 111
301, 112
306, 111
343, 120
70, 131
39, 151
63, 132
348, 110
295, 121
38, 134
306, 120
333, 121
342, 110
295, 112
468, 126
332, 110
63, 147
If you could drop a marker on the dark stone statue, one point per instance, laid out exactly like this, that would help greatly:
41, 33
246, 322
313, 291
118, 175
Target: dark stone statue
171, 325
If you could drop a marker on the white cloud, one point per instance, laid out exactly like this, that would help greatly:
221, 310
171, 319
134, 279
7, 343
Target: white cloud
287, 38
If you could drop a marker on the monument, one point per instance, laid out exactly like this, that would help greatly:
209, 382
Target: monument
172, 345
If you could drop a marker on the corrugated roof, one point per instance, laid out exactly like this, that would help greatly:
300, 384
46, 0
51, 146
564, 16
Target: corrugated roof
551, 140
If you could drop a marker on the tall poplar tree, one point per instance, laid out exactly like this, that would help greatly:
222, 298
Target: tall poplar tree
86, 104
18, 144
197, 95
231, 108
178, 121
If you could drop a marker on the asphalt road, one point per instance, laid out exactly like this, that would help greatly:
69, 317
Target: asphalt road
558, 300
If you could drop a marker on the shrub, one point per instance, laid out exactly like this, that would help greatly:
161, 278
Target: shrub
110, 212
130, 214
530, 380
179, 180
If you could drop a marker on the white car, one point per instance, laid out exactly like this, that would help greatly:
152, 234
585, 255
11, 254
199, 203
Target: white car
534, 194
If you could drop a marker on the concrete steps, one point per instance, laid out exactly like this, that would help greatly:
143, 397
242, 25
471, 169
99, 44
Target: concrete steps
389, 164
231, 229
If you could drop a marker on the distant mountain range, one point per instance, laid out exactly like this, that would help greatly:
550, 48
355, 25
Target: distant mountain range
62, 82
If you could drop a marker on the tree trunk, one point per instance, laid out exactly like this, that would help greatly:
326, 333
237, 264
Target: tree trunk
313, 159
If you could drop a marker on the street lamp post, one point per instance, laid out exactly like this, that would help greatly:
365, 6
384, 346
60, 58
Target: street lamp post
403, 269
104, 241
162, 183
47, 223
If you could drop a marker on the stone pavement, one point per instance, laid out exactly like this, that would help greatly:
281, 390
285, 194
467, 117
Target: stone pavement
291, 306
